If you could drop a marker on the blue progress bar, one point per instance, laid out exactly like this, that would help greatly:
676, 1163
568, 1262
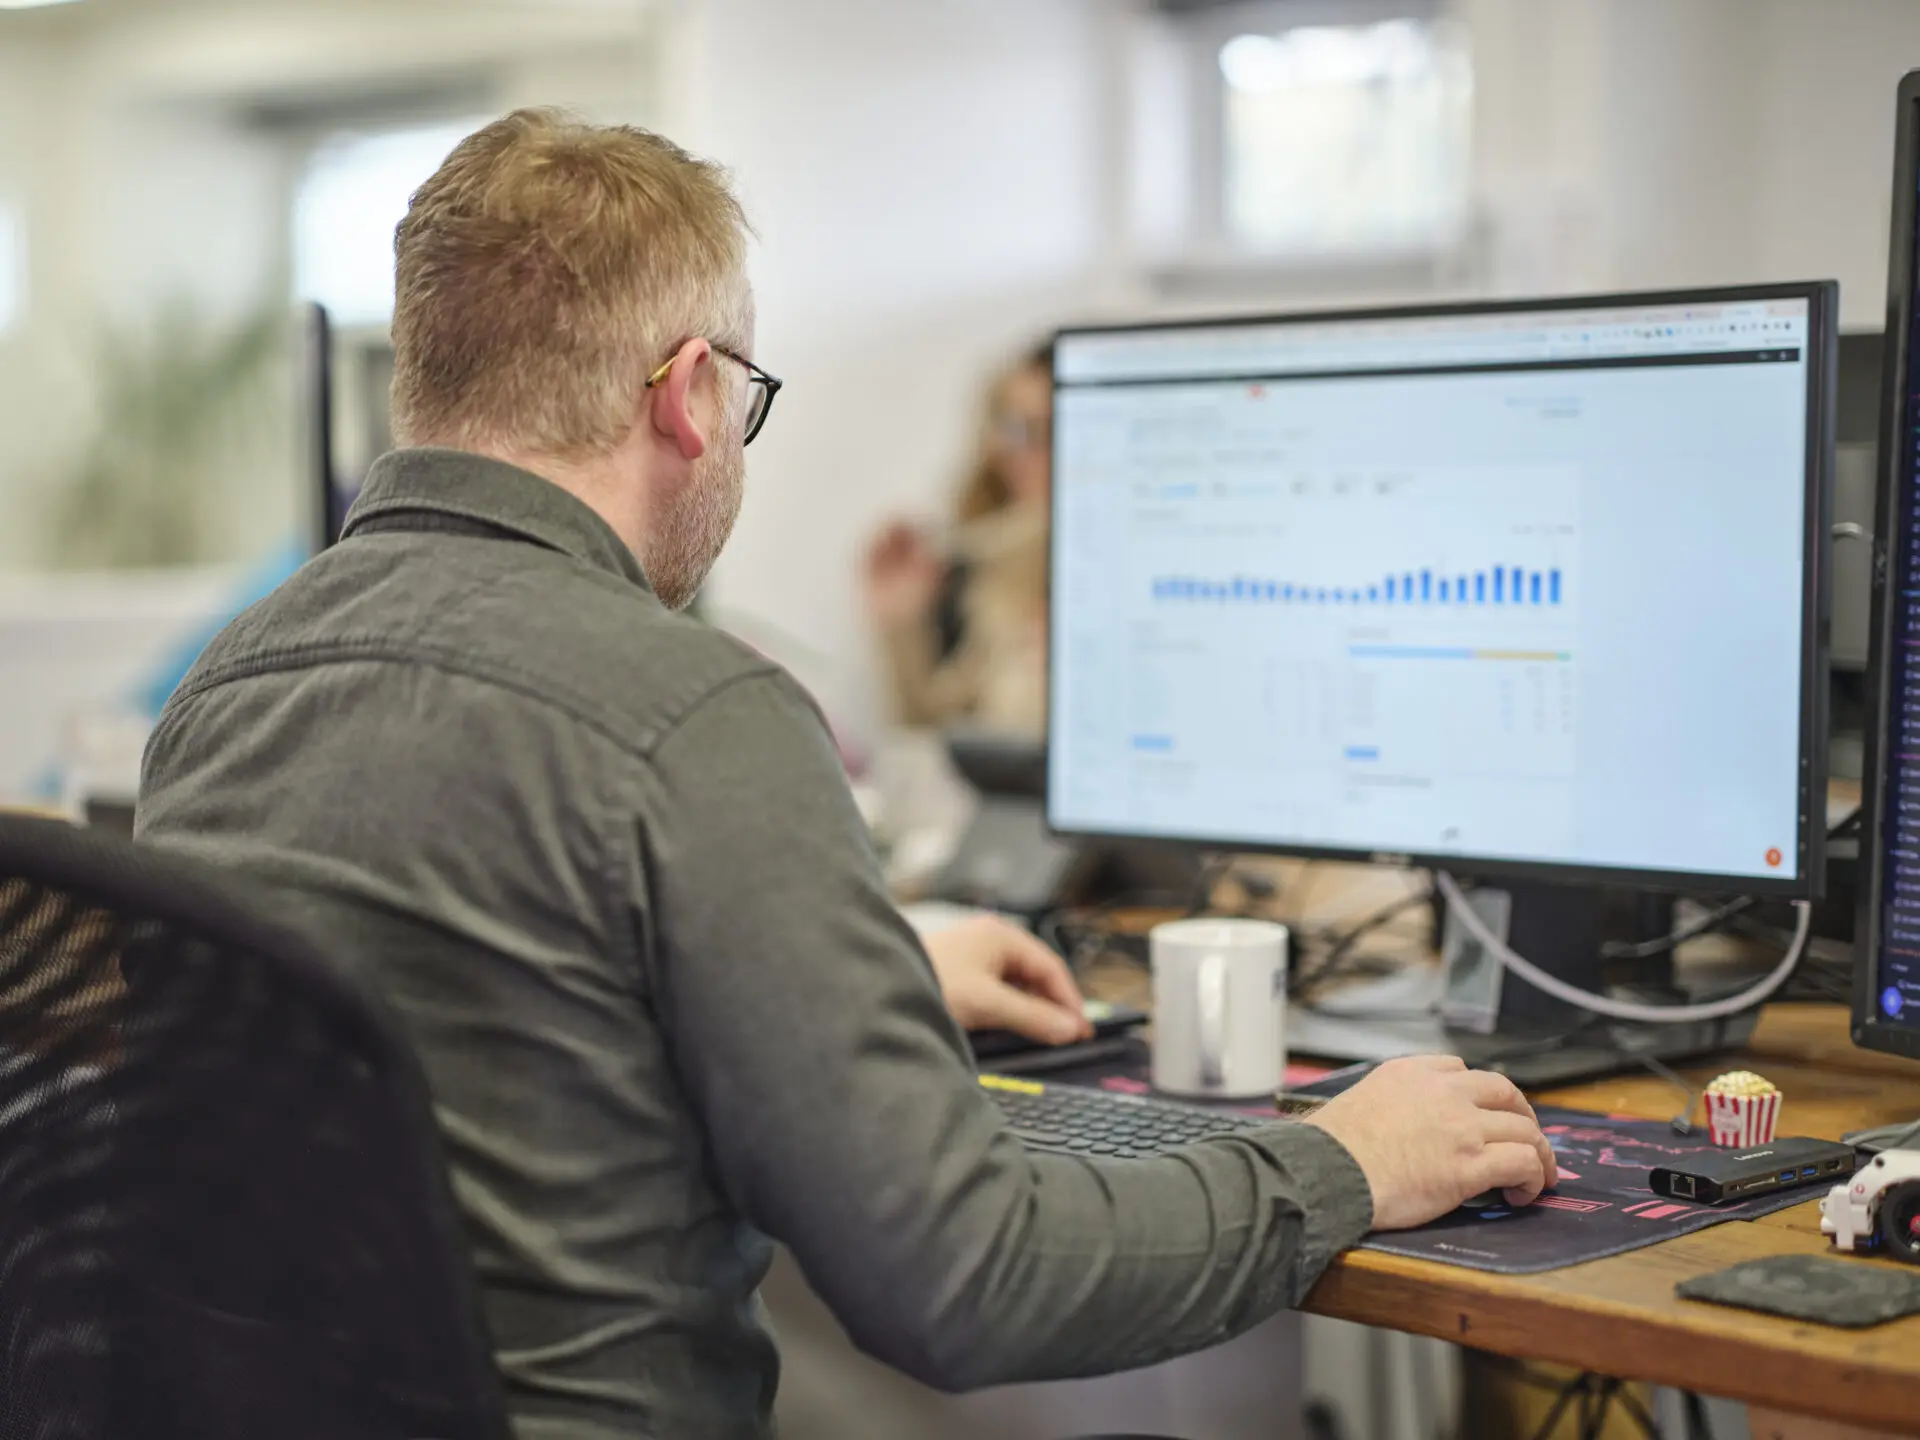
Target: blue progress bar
1410, 652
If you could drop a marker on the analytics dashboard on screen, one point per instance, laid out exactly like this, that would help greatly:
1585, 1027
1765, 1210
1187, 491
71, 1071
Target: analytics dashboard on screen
1522, 585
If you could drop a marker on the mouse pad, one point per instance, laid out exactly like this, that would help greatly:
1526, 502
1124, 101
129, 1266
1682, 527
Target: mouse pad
1601, 1207
1808, 1287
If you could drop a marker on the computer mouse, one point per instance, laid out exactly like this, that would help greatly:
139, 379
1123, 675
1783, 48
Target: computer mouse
1485, 1200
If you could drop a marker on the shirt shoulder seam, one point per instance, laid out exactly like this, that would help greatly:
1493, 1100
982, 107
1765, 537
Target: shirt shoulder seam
672, 727
539, 689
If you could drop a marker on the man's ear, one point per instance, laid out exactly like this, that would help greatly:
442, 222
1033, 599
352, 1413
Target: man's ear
673, 417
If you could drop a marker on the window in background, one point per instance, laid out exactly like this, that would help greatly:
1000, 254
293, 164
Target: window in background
13, 266
1345, 140
352, 194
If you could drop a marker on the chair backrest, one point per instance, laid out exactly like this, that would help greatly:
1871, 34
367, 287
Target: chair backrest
223, 1208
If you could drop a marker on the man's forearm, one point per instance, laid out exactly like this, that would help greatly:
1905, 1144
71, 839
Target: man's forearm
1079, 1267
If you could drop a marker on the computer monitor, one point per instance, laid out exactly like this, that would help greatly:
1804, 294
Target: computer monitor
1529, 589
313, 403
1886, 1011
1855, 485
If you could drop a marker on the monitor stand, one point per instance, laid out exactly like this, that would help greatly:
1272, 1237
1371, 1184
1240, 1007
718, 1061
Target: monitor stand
1471, 1006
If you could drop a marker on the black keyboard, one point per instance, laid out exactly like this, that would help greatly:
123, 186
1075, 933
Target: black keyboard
1075, 1120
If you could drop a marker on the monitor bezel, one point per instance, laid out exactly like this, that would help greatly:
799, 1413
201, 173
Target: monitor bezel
1870, 1030
1822, 297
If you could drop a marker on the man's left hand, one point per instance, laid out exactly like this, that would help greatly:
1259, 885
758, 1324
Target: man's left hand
995, 976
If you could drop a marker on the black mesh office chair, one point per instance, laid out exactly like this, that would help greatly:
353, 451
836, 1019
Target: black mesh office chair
224, 1213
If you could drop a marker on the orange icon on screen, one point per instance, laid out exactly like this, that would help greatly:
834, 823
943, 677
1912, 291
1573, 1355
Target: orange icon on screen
1773, 859
1256, 392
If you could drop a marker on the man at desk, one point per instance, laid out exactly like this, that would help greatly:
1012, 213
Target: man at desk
606, 864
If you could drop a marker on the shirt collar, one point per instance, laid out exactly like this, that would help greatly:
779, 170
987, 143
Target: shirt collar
495, 494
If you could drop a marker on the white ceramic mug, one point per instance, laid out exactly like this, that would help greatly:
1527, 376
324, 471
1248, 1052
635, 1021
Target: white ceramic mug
1219, 1007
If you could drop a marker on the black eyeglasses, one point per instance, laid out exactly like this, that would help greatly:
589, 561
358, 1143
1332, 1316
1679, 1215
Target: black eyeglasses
761, 388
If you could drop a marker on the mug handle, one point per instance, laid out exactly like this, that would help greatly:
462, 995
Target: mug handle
1212, 982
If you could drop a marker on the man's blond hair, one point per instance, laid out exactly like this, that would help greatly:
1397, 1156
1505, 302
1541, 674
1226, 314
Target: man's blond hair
542, 272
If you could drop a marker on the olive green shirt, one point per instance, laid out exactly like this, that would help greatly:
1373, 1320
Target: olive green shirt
604, 860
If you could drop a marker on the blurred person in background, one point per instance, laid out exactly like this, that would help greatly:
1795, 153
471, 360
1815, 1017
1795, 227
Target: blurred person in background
964, 632
604, 861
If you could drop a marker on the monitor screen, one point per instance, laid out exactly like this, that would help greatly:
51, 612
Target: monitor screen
1887, 1010
1528, 586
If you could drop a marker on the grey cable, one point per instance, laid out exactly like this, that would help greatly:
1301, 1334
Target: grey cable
1606, 1005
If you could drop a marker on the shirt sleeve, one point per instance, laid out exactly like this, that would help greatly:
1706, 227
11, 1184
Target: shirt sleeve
844, 1119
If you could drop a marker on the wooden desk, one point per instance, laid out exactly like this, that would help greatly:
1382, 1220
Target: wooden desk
1620, 1317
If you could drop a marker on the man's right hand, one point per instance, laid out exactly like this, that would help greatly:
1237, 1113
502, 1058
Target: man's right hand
1429, 1133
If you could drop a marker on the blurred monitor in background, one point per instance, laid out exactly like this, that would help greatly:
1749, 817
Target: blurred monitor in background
1855, 483
962, 618
313, 415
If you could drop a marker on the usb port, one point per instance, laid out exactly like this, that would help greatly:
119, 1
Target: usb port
1807, 1172
1786, 1175
1682, 1185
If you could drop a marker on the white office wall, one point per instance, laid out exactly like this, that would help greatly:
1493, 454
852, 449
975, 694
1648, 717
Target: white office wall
36, 409
124, 143
1638, 143
933, 185
130, 204
1823, 147
926, 181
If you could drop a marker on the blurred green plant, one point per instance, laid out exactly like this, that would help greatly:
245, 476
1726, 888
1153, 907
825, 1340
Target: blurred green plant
187, 408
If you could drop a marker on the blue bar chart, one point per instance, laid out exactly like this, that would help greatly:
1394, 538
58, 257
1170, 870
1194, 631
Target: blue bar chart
1504, 586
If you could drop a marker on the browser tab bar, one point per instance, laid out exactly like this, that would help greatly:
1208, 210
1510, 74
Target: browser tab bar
1280, 348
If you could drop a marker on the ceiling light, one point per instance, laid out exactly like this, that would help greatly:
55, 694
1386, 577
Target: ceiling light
30, 4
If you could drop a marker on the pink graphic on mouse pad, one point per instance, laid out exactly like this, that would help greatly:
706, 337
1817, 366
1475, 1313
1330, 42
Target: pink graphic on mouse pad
1602, 1205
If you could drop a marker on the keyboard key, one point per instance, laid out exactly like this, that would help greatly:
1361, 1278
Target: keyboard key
1073, 1120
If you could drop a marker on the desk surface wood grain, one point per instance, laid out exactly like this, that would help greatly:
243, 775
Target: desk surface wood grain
1620, 1316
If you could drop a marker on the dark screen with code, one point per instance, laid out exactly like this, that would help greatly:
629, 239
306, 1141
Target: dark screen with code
1896, 997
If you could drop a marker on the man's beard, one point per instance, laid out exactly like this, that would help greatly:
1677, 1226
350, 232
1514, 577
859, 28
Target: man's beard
690, 527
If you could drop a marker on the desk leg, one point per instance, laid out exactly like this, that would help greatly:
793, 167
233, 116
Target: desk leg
1775, 1425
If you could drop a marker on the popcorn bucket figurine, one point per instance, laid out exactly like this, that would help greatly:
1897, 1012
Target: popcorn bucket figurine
1743, 1109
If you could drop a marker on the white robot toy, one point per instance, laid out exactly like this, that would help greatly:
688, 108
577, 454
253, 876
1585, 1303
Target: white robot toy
1880, 1206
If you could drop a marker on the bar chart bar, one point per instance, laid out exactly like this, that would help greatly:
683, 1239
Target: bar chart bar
1511, 585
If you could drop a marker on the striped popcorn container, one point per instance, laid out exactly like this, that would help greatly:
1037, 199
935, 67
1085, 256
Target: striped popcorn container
1742, 1109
